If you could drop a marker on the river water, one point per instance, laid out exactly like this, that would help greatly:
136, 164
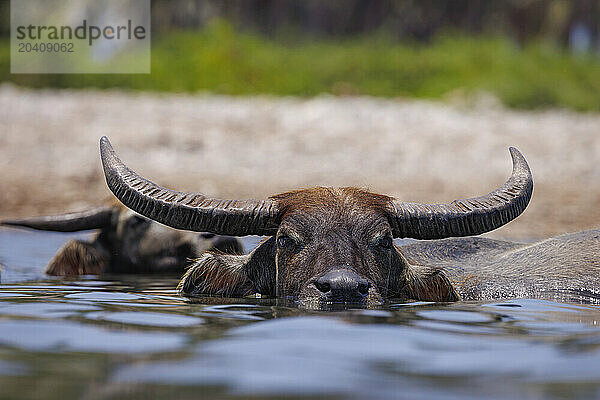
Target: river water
110, 337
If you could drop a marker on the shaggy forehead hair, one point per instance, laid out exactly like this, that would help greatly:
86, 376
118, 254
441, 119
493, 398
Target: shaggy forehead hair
336, 200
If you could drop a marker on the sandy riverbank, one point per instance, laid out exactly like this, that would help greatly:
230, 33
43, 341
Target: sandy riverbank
253, 147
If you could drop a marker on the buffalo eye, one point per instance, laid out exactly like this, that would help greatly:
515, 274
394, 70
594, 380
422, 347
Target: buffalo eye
136, 222
286, 242
385, 242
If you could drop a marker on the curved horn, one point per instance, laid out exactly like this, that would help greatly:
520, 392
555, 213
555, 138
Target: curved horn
95, 218
189, 211
469, 216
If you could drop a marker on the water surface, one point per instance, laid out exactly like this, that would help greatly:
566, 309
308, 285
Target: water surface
132, 336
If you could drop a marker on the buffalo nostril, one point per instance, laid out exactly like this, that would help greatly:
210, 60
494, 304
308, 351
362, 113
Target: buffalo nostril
342, 284
363, 289
323, 286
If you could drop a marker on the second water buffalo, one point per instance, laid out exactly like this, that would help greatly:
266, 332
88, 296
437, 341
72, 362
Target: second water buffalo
126, 242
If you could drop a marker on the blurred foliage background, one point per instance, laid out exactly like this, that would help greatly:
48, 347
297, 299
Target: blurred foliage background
528, 53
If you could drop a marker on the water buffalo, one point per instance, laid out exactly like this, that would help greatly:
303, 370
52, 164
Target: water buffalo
126, 243
336, 244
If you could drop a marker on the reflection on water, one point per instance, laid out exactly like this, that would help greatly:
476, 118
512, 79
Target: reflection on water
133, 336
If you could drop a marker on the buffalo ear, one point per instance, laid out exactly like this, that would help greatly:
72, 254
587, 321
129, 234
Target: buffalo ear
77, 258
232, 275
429, 284
218, 274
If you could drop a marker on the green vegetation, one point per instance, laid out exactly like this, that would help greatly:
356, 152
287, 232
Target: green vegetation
220, 60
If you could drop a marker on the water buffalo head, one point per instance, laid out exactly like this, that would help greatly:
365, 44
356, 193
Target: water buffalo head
126, 242
324, 244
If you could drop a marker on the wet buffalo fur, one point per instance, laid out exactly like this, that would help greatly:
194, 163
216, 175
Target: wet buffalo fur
321, 230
